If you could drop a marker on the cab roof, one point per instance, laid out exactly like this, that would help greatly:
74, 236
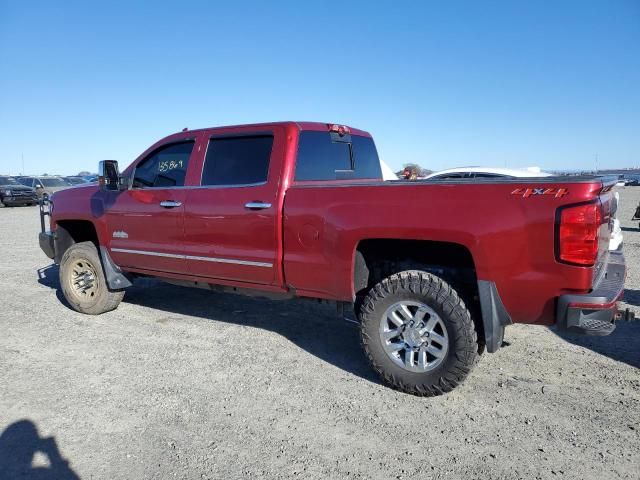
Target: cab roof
302, 126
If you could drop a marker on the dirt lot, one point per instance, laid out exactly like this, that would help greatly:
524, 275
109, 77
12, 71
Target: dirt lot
181, 383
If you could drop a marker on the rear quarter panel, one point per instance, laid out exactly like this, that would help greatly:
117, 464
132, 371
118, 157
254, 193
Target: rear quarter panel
510, 236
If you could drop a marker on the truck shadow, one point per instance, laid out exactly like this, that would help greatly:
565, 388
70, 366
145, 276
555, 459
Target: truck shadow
622, 345
20, 444
632, 297
312, 326
315, 327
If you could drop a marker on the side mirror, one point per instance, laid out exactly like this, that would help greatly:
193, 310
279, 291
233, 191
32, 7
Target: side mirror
108, 175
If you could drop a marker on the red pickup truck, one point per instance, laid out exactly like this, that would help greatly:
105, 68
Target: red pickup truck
435, 270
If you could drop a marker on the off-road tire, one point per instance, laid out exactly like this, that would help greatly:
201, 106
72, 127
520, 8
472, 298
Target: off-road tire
102, 299
431, 290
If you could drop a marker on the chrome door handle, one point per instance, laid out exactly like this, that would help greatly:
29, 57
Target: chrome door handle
170, 204
257, 205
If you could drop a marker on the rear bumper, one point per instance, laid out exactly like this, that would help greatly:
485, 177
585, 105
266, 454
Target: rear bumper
594, 313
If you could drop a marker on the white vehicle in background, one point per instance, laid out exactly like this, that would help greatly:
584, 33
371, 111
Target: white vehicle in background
487, 172
387, 173
615, 242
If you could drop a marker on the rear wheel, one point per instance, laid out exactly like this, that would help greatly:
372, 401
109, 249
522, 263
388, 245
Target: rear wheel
418, 333
83, 282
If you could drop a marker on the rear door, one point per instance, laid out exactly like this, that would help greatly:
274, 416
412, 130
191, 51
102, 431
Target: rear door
231, 219
146, 222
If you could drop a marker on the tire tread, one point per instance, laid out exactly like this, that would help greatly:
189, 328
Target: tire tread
465, 349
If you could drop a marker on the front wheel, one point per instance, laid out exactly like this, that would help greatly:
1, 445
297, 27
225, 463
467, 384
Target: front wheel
418, 334
83, 282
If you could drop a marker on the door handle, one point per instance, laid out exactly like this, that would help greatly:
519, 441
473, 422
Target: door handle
257, 205
170, 204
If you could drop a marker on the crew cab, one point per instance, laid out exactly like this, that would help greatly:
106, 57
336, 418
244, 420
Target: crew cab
435, 270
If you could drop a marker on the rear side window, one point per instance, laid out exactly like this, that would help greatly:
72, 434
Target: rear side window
237, 160
166, 167
321, 157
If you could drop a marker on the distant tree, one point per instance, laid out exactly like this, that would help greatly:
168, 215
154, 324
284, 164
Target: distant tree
84, 173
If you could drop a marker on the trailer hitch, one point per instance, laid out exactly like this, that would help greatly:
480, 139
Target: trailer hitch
627, 315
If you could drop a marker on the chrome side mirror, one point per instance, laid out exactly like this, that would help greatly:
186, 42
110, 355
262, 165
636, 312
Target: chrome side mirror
109, 175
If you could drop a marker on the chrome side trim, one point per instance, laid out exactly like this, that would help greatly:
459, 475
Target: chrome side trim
193, 257
228, 260
144, 252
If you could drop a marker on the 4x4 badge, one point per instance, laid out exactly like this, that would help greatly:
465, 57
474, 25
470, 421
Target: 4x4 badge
529, 192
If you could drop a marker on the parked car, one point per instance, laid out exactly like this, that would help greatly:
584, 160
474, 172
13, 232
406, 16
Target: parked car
75, 180
298, 209
631, 181
486, 172
13, 193
45, 185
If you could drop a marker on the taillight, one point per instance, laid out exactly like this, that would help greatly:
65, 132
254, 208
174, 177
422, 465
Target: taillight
578, 234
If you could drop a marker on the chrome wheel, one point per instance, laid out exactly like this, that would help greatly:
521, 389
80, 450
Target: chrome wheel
414, 336
84, 280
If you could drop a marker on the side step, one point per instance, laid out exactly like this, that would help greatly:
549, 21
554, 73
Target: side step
593, 326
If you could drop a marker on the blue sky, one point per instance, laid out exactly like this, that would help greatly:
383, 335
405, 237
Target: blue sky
513, 83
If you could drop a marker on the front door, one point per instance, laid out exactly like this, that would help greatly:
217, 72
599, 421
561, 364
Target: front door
231, 219
146, 222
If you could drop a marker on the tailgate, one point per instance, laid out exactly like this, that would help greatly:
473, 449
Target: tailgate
609, 205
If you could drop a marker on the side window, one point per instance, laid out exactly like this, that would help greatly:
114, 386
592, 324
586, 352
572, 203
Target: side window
237, 160
166, 167
321, 157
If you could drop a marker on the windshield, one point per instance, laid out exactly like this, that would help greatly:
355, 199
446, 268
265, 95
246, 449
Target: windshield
8, 181
53, 182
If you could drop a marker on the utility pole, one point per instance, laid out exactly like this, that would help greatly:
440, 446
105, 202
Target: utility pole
596, 163
22, 154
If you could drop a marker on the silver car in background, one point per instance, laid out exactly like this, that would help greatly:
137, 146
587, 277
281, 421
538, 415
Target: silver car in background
45, 185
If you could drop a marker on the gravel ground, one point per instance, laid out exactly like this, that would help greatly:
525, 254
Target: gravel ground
182, 383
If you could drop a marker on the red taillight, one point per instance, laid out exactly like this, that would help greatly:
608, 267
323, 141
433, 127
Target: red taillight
578, 234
